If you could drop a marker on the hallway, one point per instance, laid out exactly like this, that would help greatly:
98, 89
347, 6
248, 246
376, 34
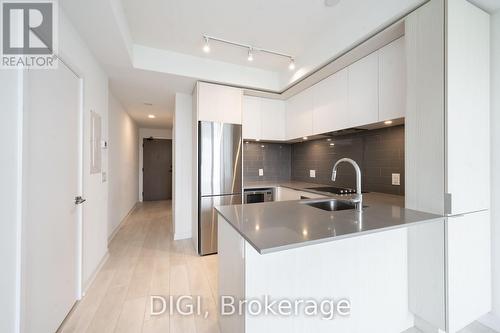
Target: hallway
144, 261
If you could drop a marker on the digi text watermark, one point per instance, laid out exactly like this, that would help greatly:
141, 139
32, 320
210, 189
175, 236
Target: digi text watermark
325, 309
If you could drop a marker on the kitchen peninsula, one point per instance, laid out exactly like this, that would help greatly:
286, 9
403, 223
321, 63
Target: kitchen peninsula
294, 250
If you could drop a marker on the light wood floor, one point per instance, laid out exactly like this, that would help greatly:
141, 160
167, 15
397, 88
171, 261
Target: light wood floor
144, 261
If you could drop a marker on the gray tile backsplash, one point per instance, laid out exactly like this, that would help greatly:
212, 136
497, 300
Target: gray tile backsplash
379, 153
274, 158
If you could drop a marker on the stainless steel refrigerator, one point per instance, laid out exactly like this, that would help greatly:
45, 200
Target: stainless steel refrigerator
219, 177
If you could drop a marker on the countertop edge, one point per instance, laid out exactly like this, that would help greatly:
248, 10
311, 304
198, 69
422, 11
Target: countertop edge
326, 239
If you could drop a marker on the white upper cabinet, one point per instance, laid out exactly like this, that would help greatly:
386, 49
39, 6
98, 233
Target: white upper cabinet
252, 118
273, 119
363, 91
330, 98
392, 80
219, 103
263, 118
299, 115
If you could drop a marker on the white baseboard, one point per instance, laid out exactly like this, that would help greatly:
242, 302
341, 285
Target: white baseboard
182, 235
89, 282
118, 227
491, 321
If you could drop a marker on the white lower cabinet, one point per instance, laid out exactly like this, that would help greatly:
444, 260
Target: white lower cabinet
231, 250
370, 271
287, 194
469, 268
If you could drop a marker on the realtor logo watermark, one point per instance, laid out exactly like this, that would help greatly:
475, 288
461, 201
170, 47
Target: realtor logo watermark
29, 34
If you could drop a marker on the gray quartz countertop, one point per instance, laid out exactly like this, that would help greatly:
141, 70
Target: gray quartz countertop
282, 225
391, 199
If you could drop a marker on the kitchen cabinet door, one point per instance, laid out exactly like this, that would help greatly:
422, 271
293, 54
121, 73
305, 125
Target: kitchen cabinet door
392, 80
286, 194
469, 268
252, 118
273, 119
219, 103
309, 195
330, 103
231, 268
299, 115
468, 108
363, 91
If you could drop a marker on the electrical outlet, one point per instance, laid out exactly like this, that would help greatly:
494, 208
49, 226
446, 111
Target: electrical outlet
396, 179
312, 173
261, 172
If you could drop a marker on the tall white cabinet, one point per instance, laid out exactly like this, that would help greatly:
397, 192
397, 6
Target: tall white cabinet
447, 147
468, 108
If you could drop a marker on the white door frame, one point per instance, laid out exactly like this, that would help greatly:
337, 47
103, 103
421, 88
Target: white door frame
21, 288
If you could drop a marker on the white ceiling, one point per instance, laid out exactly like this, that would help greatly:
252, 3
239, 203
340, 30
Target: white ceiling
288, 26
136, 88
152, 49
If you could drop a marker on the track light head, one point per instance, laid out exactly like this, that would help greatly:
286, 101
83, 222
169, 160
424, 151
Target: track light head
206, 46
250, 55
291, 66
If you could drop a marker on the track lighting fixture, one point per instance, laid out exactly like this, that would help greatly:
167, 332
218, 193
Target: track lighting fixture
251, 49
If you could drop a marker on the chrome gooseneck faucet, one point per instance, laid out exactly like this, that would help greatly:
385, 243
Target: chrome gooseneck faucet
359, 197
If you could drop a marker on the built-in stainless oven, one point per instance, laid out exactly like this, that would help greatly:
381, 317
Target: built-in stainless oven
255, 195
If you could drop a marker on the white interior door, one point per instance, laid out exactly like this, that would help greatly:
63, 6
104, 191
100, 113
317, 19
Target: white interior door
51, 177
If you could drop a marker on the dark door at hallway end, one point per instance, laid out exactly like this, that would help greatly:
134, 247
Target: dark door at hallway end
157, 169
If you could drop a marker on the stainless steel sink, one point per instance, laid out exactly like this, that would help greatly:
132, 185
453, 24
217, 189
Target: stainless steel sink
332, 205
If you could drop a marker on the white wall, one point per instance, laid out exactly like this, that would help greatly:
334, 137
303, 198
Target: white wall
182, 183
10, 217
495, 166
123, 154
148, 133
95, 97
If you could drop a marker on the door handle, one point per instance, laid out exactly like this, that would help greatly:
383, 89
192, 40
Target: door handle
79, 200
